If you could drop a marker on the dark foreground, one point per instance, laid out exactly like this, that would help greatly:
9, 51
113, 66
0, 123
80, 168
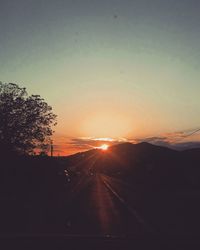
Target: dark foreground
131, 196
91, 242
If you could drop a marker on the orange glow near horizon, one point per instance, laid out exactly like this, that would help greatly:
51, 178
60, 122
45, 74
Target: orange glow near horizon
106, 125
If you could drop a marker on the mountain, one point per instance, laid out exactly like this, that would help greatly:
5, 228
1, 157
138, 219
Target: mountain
144, 164
126, 152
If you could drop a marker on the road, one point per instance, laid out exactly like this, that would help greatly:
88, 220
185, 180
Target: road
98, 207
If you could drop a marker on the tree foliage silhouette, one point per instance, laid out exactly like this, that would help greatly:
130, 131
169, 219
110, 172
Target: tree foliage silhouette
25, 121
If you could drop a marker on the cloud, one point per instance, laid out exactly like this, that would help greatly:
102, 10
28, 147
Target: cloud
90, 142
64, 145
178, 140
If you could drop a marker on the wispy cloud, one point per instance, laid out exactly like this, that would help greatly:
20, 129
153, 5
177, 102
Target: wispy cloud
91, 142
65, 145
178, 140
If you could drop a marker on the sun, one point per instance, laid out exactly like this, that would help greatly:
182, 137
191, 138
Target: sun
104, 147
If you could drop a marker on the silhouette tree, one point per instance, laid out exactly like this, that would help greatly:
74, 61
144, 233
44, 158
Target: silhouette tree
25, 121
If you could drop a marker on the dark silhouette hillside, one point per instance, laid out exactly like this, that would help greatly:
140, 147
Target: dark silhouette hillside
164, 182
131, 190
131, 161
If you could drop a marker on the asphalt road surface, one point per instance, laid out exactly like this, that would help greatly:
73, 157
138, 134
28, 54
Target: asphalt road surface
97, 207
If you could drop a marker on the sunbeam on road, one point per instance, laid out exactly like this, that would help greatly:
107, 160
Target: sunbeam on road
98, 207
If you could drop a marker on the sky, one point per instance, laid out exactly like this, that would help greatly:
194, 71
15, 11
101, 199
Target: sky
127, 70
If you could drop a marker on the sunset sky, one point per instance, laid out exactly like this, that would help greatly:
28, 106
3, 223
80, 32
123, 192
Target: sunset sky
120, 70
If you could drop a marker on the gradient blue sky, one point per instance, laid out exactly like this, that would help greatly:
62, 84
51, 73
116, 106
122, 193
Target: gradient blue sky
109, 68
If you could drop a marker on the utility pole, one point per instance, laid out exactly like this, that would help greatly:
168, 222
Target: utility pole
51, 148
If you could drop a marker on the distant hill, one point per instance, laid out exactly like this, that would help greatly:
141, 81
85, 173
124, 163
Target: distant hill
126, 152
143, 163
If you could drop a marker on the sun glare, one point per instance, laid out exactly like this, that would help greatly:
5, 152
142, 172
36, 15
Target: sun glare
104, 147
